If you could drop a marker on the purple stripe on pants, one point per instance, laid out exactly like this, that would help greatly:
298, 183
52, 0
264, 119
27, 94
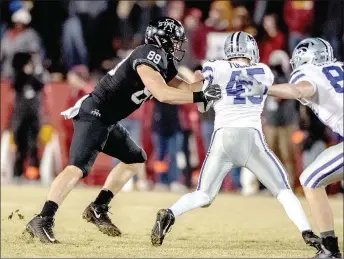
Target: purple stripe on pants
276, 162
200, 176
323, 167
314, 185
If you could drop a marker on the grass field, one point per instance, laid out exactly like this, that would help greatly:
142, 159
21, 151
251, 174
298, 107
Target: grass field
233, 226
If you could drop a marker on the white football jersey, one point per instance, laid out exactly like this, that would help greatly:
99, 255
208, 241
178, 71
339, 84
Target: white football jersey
232, 110
327, 102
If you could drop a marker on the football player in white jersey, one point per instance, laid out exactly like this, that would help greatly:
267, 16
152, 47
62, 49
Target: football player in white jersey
316, 81
237, 140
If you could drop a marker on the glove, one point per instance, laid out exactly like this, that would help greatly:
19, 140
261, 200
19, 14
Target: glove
252, 85
212, 93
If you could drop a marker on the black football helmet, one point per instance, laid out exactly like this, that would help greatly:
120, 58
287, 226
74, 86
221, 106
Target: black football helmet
168, 34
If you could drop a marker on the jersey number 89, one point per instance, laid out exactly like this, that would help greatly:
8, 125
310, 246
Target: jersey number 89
154, 57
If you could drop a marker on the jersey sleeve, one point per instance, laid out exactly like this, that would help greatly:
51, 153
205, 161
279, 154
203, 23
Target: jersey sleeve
301, 75
208, 71
151, 56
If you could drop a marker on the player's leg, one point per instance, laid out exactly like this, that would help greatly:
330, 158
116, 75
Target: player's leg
269, 170
89, 137
326, 169
121, 146
214, 169
286, 154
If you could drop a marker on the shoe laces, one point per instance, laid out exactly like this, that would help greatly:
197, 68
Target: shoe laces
49, 222
103, 210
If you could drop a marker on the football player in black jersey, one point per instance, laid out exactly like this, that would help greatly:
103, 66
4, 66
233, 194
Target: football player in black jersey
149, 71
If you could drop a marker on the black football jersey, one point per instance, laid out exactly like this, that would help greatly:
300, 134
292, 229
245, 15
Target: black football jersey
121, 91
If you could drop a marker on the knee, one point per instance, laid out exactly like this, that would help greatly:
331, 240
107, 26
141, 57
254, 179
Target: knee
137, 157
75, 171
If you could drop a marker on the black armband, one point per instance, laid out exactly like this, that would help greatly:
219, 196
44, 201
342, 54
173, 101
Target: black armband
198, 97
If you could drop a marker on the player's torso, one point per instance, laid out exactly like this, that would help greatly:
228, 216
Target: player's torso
121, 91
327, 103
232, 110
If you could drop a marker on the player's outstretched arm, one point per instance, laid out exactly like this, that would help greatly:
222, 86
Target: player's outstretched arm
196, 86
303, 89
300, 90
164, 93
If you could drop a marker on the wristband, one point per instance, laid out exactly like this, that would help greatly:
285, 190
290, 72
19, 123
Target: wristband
198, 97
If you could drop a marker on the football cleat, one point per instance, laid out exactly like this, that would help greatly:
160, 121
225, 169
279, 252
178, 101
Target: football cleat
42, 228
329, 249
312, 239
164, 221
98, 215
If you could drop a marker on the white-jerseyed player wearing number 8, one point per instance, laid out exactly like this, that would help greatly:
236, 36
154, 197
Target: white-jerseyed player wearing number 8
317, 81
237, 140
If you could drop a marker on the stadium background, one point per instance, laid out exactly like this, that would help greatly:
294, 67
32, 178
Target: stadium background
85, 39
76, 42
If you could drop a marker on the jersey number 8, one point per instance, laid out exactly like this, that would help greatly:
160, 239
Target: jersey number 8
154, 57
335, 75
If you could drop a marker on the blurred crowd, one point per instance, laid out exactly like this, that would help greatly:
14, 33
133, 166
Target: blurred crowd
79, 41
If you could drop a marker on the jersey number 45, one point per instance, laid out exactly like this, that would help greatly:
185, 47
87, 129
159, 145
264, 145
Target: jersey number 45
235, 87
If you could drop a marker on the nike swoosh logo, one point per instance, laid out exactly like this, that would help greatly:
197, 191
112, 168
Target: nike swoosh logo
49, 237
96, 214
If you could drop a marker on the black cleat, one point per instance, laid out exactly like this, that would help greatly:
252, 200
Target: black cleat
42, 228
98, 215
312, 239
164, 221
330, 248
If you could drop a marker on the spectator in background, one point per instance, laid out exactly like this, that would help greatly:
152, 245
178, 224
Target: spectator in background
20, 38
26, 115
218, 20
333, 27
241, 21
149, 11
192, 22
78, 31
175, 9
273, 38
298, 16
166, 128
281, 115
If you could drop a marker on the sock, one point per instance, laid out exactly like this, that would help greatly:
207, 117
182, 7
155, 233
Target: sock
327, 234
189, 202
294, 209
104, 197
49, 209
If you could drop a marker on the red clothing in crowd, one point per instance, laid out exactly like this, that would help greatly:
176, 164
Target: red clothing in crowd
199, 38
269, 45
298, 15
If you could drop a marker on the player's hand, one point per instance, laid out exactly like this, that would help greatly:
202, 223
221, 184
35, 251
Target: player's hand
212, 92
198, 75
252, 85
